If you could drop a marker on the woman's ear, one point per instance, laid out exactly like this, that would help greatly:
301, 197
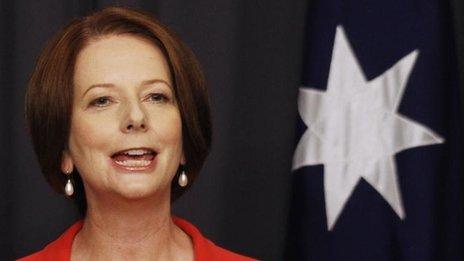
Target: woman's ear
66, 162
182, 159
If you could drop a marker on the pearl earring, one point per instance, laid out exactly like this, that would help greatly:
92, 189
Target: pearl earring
183, 180
69, 188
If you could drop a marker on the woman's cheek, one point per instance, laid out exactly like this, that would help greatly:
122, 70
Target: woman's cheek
95, 130
169, 125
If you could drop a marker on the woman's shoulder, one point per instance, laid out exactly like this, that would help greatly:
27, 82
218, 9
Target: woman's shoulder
59, 249
205, 249
37, 256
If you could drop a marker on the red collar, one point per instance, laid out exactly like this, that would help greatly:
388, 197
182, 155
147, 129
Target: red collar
203, 248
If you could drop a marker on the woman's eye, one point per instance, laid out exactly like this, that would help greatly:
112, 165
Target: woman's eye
158, 97
100, 102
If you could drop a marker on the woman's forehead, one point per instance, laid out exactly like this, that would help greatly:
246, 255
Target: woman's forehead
120, 60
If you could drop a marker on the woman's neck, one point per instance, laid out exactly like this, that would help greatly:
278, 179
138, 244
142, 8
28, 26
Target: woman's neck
130, 230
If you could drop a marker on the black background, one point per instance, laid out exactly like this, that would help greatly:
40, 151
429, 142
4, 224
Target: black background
251, 53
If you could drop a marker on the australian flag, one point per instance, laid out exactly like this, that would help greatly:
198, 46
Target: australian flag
377, 168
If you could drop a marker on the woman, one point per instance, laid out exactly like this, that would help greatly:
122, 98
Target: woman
119, 117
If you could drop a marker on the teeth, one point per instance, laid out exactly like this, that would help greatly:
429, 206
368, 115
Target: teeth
133, 163
137, 152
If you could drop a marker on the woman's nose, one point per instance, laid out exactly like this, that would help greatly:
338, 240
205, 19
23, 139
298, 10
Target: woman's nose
135, 118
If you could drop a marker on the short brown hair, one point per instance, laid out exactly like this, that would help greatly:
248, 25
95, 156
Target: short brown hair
49, 96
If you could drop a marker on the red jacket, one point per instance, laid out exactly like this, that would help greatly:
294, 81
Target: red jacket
204, 249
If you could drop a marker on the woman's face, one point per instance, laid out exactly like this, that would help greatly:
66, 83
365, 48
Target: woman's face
123, 99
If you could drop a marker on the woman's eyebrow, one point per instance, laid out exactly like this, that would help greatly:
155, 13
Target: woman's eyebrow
148, 82
106, 85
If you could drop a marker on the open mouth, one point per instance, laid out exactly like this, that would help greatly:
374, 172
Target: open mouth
134, 158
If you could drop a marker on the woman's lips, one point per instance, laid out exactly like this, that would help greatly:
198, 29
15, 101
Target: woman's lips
143, 163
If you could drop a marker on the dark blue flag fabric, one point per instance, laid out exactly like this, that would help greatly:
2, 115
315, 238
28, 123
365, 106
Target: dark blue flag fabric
377, 168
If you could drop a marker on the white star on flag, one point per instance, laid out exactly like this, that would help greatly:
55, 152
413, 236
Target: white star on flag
354, 129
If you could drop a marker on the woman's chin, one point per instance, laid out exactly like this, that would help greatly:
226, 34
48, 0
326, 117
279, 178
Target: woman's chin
137, 189
134, 194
